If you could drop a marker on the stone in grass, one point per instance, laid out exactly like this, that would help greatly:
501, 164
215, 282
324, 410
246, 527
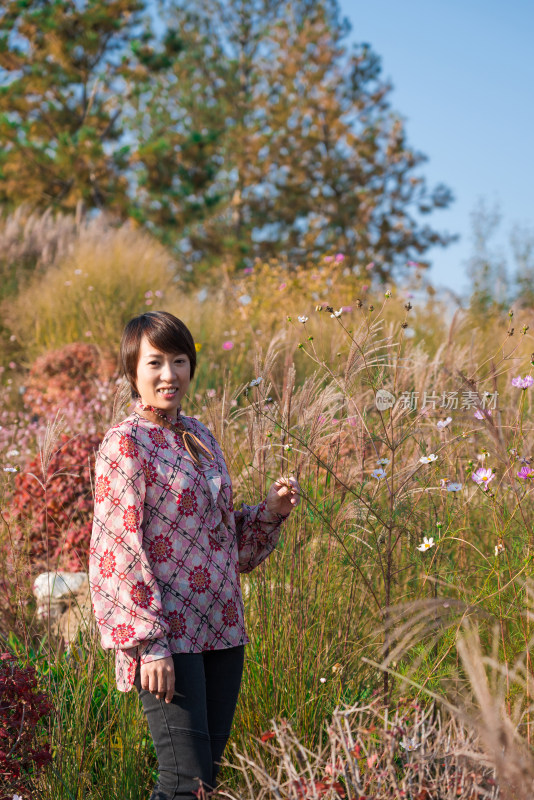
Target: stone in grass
64, 598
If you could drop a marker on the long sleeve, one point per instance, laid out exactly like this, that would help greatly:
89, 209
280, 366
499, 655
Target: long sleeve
125, 594
257, 534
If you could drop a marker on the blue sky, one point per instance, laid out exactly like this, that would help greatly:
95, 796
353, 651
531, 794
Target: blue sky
463, 76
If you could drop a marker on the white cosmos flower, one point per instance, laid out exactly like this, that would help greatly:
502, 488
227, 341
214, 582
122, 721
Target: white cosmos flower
428, 459
426, 544
256, 381
10, 469
12, 453
444, 422
454, 487
337, 313
378, 473
409, 744
302, 319
382, 462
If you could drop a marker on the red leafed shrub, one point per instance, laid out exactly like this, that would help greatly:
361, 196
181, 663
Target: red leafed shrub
22, 705
59, 518
70, 373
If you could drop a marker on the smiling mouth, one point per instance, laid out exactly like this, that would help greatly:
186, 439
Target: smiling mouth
168, 392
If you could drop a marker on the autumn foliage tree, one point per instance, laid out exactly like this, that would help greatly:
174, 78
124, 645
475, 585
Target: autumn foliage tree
278, 140
234, 129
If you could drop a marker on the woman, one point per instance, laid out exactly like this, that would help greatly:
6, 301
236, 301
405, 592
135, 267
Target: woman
166, 552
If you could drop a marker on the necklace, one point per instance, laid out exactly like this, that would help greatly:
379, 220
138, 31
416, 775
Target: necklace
178, 423
192, 443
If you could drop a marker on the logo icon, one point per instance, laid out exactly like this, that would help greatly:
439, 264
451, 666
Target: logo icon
384, 399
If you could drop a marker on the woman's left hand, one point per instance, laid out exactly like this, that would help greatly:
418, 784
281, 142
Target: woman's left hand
284, 496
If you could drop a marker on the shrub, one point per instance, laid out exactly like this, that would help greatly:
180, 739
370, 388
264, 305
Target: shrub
56, 508
22, 706
369, 752
70, 374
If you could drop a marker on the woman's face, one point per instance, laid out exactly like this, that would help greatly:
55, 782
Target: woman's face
162, 378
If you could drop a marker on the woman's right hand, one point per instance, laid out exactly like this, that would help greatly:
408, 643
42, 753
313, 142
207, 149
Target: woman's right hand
157, 677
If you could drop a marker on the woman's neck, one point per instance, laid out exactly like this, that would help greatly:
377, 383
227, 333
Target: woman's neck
171, 416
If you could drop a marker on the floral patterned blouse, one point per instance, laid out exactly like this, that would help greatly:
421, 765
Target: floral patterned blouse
167, 546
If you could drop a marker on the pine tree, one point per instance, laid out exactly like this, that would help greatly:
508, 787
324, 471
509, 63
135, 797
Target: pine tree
178, 122
65, 72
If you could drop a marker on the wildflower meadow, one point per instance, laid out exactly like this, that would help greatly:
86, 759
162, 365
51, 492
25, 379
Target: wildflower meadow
390, 630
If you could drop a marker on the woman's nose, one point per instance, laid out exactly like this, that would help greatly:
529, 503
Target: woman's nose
168, 371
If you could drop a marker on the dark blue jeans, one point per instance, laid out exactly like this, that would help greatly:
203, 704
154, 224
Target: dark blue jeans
190, 732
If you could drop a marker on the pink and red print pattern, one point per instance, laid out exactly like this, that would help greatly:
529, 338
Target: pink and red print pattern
141, 594
230, 615
107, 564
177, 624
102, 488
187, 503
160, 549
166, 551
199, 579
127, 447
121, 633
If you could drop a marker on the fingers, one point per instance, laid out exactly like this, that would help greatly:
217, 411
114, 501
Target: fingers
288, 487
157, 677
170, 693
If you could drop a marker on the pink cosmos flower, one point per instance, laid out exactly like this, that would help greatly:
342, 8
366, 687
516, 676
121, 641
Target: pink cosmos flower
228, 346
483, 477
148, 294
148, 302
370, 265
523, 383
248, 270
339, 257
526, 473
364, 287
347, 309
482, 414
282, 286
